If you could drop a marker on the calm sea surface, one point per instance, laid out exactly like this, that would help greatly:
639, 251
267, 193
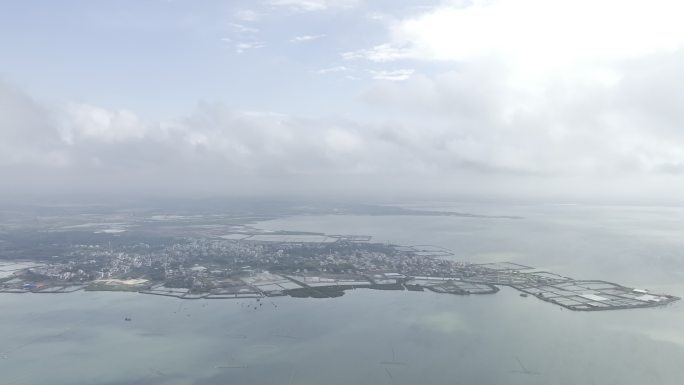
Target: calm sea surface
81, 338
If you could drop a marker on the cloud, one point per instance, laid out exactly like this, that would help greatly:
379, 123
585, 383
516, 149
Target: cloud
491, 96
541, 88
586, 129
99, 124
459, 140
88, 148
469, 128
241, 47
536, 39
334, 70
244, 46
392, 75
544, 31
243, 32
305, 38
315, 5
380, 53
243, 29
28, 134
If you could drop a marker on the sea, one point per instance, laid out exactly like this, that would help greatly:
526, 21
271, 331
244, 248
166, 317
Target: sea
385, 337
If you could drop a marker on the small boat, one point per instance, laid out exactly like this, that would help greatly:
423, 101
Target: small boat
523, 294
128, 319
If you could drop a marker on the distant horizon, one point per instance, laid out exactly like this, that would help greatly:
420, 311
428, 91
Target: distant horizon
123, 201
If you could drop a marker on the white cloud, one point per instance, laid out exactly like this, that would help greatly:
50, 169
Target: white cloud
243, 29
546, 31
542, 87
305, 38
95, 123
315, 5
242, 47
28, 134
580, 129
520, 95
380, 53
461, 124
393, 75
334, 70
537, 38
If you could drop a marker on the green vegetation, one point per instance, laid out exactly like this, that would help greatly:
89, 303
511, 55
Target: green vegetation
98, 286
316, 292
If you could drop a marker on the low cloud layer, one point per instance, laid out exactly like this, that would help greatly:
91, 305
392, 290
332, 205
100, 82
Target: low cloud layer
457, 141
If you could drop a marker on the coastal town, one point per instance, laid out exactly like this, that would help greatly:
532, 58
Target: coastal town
256, 265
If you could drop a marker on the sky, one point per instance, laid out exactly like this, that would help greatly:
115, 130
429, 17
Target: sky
507, 99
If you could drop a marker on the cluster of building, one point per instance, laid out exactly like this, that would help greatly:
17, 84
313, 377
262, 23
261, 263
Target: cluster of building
245, 268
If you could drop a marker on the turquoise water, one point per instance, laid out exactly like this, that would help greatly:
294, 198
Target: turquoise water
82, 338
